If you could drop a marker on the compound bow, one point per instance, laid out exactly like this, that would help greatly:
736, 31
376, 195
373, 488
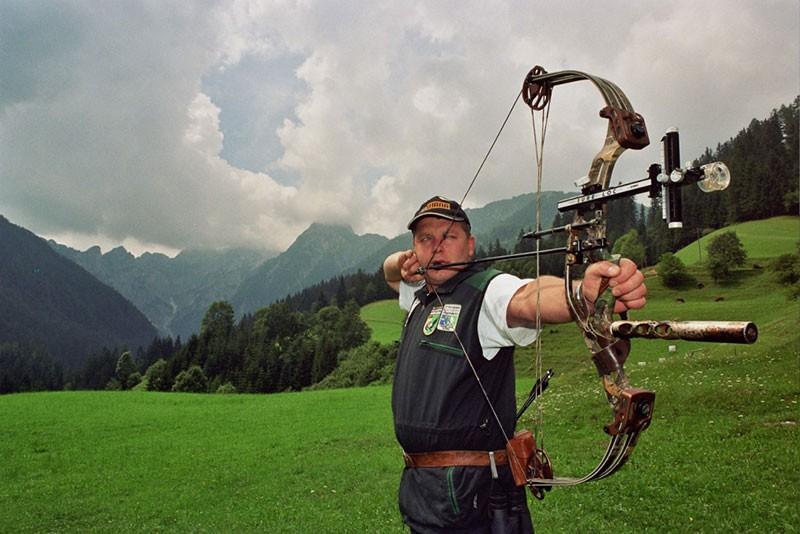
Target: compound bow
609, 340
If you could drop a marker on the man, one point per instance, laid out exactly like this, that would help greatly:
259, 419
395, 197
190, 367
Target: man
457, 479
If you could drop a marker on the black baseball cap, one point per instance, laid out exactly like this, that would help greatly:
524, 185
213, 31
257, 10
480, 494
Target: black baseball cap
440, 207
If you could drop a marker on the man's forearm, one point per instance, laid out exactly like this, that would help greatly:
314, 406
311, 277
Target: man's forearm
522, 309
391, 268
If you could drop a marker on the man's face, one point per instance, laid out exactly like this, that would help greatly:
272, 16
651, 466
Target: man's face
443, 241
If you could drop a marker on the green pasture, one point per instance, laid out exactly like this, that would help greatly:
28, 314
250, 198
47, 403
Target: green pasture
385, 320
766, 238
721, 454
162, 462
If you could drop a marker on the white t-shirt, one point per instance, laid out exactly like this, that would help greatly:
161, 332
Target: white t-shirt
493, 330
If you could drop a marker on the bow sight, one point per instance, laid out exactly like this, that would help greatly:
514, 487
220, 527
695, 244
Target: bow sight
663, 180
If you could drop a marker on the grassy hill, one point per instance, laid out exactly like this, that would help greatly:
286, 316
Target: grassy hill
720, 455
385, 320
766, 238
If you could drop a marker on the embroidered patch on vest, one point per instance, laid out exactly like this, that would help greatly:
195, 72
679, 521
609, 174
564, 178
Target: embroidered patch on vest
432, 320
449, 318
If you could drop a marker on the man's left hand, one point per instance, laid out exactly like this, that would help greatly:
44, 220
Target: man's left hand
625, 280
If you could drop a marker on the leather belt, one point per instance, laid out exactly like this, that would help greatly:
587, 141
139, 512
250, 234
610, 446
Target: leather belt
454, 458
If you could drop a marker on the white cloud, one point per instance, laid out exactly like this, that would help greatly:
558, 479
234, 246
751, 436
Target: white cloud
107, 130
203, 131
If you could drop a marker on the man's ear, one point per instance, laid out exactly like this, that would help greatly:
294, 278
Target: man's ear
471, 246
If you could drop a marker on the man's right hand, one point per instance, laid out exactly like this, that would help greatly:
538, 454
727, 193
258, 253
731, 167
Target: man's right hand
409, 267
402, 265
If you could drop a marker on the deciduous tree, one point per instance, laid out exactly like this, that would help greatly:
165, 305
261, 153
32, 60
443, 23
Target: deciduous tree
725, 252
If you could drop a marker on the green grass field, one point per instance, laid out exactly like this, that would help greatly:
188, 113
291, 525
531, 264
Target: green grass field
720, 456
149, 462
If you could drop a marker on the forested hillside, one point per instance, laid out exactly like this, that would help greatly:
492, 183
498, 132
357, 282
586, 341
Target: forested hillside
764, 160
319, 253
53, 305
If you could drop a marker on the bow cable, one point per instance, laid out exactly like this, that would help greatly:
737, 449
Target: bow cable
538, 145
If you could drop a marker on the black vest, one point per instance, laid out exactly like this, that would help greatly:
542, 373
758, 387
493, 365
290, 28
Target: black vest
436, 400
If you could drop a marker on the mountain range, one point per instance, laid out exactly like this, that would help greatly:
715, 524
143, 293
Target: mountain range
48, 302
174, 293
74, 302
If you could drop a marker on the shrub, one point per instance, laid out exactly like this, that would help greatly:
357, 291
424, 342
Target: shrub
126, 370
787, 271
362, 366
227, 388
786, 268
133, 380
158, 378
192, 380
113, 385
672, 271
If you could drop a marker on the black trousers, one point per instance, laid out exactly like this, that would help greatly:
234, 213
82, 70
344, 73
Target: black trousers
463, 500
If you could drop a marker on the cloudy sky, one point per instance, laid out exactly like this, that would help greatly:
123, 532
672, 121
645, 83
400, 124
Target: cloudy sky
168, 125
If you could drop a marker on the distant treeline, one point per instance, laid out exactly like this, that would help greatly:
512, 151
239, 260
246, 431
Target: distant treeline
360, 287
300, 340
764, 160
275, 349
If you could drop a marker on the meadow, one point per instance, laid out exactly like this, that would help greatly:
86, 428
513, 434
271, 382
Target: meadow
720, 456
762, 239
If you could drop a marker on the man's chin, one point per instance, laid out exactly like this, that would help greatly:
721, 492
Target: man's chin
440, 276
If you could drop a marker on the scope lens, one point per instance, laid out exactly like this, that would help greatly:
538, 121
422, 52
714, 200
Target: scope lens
717, 177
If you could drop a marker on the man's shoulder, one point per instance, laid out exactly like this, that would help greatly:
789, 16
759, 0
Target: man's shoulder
481, 279
406, 293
